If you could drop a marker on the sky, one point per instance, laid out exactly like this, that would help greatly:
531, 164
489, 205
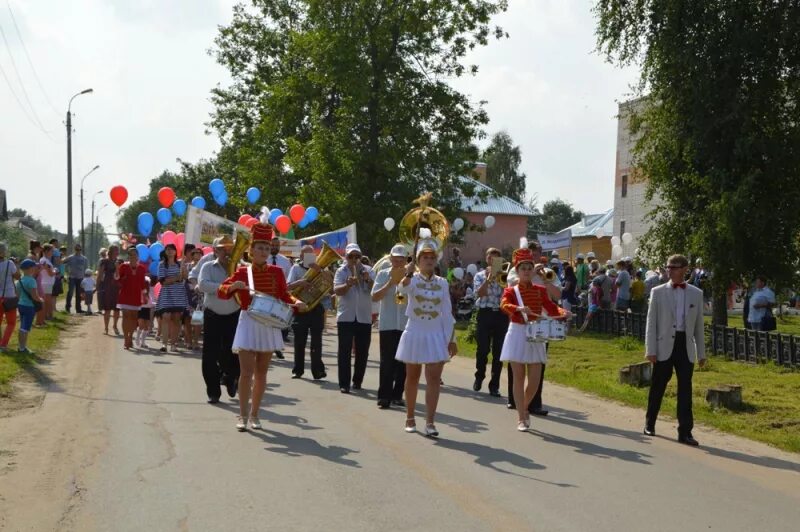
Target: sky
148, 64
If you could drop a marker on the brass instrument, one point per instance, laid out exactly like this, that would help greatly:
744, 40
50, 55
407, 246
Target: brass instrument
502, 276
241, 243
549, 275
420, 217
320, 282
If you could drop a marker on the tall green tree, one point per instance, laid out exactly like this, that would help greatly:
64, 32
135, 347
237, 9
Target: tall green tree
719, 130
555, 215
502, 160
344, 104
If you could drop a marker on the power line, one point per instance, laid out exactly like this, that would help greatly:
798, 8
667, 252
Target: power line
21, 84
30, 62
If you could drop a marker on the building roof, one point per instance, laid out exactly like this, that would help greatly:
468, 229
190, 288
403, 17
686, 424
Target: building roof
493, 203
590, 223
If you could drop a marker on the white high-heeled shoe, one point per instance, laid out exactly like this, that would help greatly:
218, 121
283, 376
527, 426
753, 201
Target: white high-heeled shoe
255, 424
522, 426
411, 428
241, 424
430, 430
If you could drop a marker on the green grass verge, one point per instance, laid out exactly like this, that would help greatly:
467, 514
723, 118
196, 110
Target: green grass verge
786, 324
771, 411
40, 341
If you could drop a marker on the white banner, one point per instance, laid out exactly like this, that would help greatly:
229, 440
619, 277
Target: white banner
203, 227
550, 242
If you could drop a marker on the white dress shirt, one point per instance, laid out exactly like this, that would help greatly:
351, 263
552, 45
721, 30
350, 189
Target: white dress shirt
356, 304
679, 298
282, 262
393, 316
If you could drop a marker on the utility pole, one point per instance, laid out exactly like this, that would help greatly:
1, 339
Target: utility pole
83, 230
69, 167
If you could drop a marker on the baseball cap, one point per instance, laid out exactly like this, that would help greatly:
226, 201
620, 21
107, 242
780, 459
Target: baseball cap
27, 263
352, 248
88, 271
399, 250
580, 256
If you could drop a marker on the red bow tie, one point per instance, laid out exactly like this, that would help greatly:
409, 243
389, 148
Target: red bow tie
679, 285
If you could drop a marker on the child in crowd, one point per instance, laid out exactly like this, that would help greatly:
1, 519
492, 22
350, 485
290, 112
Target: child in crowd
88, 287
595, 296
29, 300
146, 312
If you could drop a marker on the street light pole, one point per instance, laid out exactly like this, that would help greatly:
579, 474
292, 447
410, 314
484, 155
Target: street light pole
69, 166
83, 235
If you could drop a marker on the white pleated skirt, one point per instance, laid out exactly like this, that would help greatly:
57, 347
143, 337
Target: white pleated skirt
517, 348
423, 343
255, 336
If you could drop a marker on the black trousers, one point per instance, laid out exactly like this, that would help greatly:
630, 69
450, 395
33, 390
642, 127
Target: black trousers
393, 372
662, 373
536, 402
490, 334
362, 334
74, 288
305, 323
219, 362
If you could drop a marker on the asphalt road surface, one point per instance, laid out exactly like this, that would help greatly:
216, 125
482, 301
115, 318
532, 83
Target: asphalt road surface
125, 441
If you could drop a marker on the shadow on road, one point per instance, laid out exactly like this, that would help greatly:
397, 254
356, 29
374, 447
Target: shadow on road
592, 449
299, 446
762, 461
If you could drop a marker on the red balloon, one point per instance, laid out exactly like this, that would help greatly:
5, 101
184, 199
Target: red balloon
119, 195
297, 212
283, 224
180, 242
166, 196
251, 222
168, 238
244, 218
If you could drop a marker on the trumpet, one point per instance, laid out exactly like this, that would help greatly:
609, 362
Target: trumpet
549, 275
501, 277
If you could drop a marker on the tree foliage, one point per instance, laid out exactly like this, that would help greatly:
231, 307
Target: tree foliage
555, 215
502, 160
345, 104
719, 132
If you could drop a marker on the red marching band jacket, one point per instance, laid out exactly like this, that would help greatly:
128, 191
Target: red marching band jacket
534, 297
267, 279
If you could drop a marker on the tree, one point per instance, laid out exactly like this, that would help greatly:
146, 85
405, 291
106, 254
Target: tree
720, 130
344, 104
15, 240
556, 215
93, 246
502, 160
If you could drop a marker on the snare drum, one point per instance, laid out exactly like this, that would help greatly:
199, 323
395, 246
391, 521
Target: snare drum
538, 331
558, 330
270, 311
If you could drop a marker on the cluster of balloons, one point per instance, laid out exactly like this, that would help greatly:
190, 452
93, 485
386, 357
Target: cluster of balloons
457, 225
298, 215
218, 192
616, 244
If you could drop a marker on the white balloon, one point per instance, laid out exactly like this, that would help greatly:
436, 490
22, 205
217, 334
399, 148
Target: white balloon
627, 238
600, 233
458, 224
489, 221
472, 269
616, 251
615, 241
458, 273
388, 223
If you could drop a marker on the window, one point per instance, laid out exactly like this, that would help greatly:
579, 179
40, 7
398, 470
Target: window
625, 186
621, 228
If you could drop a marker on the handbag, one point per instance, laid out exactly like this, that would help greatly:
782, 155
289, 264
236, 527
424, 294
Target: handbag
768, 322
37, 305
9, 303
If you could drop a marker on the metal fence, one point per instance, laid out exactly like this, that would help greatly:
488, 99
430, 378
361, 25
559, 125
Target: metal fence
734, 343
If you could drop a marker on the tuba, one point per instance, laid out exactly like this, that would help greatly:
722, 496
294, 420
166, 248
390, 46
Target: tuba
320, 281
239, 246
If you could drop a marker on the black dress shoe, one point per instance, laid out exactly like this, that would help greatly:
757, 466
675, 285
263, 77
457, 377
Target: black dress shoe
232, 386
494, 393
539, 411
477, 385
344, 390
296, 375
510, 405
213, 400
688, 440
383, 404
320, 376
649, 431
398, 402
356, 386
279, 355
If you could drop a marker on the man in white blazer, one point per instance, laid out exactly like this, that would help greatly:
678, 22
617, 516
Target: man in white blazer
675, 338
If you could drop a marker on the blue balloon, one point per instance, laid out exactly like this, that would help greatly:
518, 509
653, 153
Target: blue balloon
273, 215
153, 268
312, 214
145, 223
179, 206
143, 251
216, 187
221, 198
155, 251
303, 223
164, 215
199, 202
253, 194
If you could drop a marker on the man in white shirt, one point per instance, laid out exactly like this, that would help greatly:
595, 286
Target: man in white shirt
761, 301
283, 262
304, 323
675, 338
391, 325
352, 285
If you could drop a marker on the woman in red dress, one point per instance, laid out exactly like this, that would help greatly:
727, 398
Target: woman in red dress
130, 277
254, 341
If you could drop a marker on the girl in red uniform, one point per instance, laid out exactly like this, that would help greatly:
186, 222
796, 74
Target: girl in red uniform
255, 342
130, 276
517, 350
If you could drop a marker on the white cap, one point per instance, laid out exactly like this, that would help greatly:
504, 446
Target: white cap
580, 256
590, 255
609, 263
554, 254
427, 244
88, 272
555, 261
352, 248
399, 250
